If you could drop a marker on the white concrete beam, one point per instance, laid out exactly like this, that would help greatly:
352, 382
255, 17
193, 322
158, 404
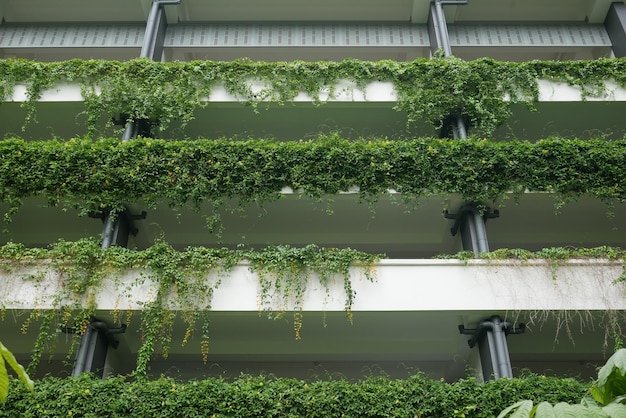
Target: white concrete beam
400, 285
344, 91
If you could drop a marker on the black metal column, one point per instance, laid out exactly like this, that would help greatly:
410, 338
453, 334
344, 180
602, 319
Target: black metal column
440, 43
615, 24
473, 229
113, 233
93, 348
470, 221
117, 227
490, 337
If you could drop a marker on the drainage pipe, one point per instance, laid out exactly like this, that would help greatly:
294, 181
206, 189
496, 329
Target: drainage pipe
108, 230
489, 326
473, 233
442, 26
502, 352
81, 356
480, 229
459, 131
150, 48
442, 29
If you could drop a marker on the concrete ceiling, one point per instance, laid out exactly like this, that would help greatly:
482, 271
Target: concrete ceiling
416, 11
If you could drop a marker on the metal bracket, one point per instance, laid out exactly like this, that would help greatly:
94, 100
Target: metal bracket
93, 347
126, 216
103, 327
458, 217
477, 333
117, 227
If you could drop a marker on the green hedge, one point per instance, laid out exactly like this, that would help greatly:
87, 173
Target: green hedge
92, 175
266, 397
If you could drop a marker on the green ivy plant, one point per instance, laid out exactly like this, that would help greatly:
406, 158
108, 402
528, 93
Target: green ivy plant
185, 282
92, 175
284, 271
482, 90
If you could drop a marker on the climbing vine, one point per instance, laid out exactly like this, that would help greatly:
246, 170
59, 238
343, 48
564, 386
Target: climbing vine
481, 90
184, 285
554, 256
95, 174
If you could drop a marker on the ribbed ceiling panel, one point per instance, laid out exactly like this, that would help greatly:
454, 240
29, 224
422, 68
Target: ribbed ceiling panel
577, 35
71, 35
301, 35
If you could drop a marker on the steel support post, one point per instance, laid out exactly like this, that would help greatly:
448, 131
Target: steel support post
440, 41
94, 343
154, 37
93, 348
490, 337
474, 231
615, 24
438, 31
471, 222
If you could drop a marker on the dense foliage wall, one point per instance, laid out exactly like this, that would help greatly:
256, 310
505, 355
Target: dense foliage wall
96, 174
109, 173
417, 396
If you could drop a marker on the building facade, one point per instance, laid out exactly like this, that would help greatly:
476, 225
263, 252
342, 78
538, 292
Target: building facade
418, 313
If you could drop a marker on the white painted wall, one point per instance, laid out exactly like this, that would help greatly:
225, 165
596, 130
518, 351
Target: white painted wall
345, 91
400, 285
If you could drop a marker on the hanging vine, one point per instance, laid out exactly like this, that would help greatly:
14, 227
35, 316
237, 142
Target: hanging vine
482, 90
184, 285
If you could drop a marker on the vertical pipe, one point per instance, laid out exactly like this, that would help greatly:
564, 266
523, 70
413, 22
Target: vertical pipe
149, 36
482, 244
109, 231
615, 24
443, 29
502, 354
473, 235
81, 356
152, 48
476, 224
460, 126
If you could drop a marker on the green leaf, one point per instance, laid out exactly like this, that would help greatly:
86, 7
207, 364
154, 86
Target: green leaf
615, 410
4, 380
564, 410
520, 409
17, 368
544, 409
611, 379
